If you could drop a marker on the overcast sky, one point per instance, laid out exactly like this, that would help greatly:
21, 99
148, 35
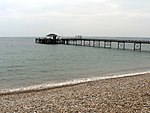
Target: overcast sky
72, 17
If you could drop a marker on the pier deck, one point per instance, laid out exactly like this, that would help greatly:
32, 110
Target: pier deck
105, 43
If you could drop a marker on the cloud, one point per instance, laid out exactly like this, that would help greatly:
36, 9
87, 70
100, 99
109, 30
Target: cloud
70, 14
56, 7
47, 9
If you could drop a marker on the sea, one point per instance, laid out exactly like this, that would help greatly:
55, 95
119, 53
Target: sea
26, 65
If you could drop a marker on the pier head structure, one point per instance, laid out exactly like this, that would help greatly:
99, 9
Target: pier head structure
49, 39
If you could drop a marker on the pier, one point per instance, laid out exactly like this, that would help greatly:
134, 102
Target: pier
105, 43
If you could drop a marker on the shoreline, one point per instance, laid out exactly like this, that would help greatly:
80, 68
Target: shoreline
41, 87
124, 94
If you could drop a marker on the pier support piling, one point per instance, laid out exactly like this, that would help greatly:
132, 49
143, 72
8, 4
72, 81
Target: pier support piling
89, 43
137, 46
107, 44
93, 43
121, 45
84, 42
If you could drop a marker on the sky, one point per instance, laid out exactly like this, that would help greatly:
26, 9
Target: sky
75, 17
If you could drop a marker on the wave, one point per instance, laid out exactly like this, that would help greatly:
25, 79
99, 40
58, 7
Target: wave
67, 83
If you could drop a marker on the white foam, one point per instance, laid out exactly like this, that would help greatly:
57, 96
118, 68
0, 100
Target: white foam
71, 82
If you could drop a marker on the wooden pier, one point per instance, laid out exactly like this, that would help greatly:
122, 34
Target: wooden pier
105, 43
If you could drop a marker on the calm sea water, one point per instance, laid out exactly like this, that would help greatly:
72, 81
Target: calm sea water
25, 63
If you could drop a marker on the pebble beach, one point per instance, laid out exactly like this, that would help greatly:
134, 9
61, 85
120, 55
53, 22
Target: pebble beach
114, 95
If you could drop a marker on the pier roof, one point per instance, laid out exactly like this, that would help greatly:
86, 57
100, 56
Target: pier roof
51, 35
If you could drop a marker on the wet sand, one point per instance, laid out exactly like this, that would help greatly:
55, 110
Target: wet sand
115, 95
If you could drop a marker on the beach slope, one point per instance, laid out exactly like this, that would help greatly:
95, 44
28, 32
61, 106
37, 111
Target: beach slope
122, 95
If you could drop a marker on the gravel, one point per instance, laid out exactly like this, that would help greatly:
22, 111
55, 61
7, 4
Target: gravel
117, 95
